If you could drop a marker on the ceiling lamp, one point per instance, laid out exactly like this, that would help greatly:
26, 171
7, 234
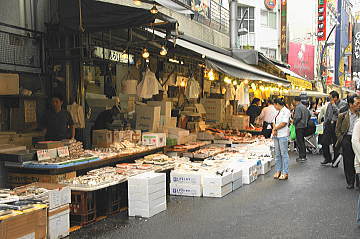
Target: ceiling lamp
163, 51
154, 10
145, 54
227, 80
235, 82
211, 75
137, 2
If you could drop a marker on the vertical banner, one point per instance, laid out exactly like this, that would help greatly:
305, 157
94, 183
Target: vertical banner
356, 55
283, 36
322, 20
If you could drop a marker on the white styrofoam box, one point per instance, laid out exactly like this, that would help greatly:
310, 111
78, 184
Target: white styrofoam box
272, 162
154, 139
185, 177
237, 184
183, 189
250, 172
147, 205
215, 191
265, 167
217, 180
59, 222
146, 213
147, 196
236, 174
147, 178
145, 189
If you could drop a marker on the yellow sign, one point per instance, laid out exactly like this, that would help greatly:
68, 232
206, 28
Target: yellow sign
299, 82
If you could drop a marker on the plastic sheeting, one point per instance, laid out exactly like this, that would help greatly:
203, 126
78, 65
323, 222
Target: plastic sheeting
149, 86
193, 89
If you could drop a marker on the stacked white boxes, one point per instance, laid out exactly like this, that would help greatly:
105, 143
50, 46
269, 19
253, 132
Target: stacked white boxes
217, 185
147, 194
237, 181
249, 172
186, 183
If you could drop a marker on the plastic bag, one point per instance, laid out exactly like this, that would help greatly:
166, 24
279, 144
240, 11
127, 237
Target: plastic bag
292, 132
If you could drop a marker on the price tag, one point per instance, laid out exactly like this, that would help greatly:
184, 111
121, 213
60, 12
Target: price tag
43, 154
63, 152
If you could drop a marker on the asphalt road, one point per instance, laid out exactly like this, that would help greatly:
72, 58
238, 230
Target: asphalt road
313, 203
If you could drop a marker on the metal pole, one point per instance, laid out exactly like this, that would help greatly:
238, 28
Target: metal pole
321, 59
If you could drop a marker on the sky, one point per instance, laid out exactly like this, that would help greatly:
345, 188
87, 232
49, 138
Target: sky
301, 16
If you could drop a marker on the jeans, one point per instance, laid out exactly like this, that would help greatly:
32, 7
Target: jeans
358, 212
281, 154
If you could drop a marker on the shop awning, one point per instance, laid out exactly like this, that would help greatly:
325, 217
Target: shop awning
96, 16
308, 93
295, 79
229, 65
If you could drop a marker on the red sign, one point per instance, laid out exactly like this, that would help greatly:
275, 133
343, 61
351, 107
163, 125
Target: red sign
329, 80
270, 4
301, 59
348, 84
322, 20
283, 30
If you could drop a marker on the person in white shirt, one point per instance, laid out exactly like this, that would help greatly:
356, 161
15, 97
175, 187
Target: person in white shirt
281, 134
267, 116
355, 140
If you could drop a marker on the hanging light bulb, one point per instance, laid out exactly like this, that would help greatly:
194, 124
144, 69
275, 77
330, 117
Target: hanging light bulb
154, 10
211, 75
137, 2
163, 51
235, 82
253, 86
262, 88
227, 80
246, 81
145, 54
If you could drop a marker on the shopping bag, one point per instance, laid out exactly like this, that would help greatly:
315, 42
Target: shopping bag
292, 132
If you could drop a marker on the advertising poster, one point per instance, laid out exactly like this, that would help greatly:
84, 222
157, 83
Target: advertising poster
301, 59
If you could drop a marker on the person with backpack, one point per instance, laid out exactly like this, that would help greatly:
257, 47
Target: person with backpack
301, 118
344, 130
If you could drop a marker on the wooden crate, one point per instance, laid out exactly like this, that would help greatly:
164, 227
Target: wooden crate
19, 179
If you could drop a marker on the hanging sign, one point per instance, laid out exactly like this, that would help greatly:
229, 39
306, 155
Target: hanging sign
113, 55
356, 49
270, 4
321, 29
283, 36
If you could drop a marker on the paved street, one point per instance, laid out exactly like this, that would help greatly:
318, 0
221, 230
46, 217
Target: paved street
314, 203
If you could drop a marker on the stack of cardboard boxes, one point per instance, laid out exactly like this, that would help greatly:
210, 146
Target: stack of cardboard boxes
186, 183
240, 121
147, 194
215, 109
180, 135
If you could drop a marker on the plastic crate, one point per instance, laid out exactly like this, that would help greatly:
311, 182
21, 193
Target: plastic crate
109, 200
83, 208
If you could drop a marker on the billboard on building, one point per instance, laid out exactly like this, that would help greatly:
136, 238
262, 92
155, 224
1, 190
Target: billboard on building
201, 7
301, 59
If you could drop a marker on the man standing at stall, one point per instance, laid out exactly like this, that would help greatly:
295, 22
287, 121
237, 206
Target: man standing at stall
344, 131
301, 118
59, 124
335, 107
267, 116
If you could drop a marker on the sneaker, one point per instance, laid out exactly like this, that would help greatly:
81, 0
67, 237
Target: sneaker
301, 160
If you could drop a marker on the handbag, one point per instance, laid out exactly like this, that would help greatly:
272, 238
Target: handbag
292, 132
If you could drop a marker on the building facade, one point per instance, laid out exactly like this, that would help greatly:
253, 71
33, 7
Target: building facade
261, 18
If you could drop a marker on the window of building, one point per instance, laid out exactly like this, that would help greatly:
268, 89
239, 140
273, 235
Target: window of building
249, 18
268, 19
269, 52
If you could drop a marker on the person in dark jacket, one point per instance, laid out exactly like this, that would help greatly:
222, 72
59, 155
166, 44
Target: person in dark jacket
254, 110
106, 118
344, 131
301, 118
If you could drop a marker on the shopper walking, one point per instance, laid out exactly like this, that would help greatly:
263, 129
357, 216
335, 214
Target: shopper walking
280, 134
335, 107
254, 110
344, 131
267, 116
301, 118
355, 140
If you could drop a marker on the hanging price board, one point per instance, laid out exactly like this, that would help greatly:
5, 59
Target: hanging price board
63, 152
43, 154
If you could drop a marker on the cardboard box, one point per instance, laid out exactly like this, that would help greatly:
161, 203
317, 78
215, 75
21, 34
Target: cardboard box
133, 212
265, 167
250, 173
185, 177
154, 139
182, 189
200, 109
58, 194
31, 223
118, 136
237, 174
215, 109
102, 138
59, 222
178, 132
237, 184
147, 117
147, 204
18, 179
240, 121
209, 190
49, 144
9, 84
166, 107
217, 180
146, 183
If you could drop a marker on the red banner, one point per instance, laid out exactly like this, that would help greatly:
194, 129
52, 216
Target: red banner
329, 80
301, 59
